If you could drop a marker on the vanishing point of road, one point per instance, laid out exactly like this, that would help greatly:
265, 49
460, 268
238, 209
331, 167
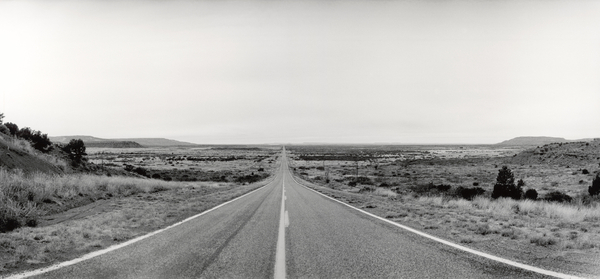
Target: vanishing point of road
286, 230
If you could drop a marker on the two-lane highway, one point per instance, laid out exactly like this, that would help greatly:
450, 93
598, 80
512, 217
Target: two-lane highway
321, 239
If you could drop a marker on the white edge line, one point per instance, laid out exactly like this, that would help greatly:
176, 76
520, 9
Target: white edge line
460, 247
121, 245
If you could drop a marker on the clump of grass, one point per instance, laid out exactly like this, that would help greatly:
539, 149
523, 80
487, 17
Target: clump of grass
543, 240
21, 194
386, 192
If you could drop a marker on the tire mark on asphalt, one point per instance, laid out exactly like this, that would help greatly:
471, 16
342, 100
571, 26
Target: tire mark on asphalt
217, 252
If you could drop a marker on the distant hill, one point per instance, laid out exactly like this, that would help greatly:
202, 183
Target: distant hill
562, 153
122, 143
537, 141
158, 142
114, 144
86, 139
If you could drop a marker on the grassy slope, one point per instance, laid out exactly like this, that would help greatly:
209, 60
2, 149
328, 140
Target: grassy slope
16, 155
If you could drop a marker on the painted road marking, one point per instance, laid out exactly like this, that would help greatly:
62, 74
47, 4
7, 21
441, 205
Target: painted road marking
466, 249
280, 253
117, 246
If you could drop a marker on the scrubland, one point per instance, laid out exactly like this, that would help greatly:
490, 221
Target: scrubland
427, 192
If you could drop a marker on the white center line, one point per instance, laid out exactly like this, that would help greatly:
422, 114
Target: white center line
280, 254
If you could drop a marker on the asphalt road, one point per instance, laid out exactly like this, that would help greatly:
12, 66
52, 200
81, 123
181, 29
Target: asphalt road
324, 239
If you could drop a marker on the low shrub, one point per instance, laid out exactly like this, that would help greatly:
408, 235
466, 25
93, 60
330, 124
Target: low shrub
430, 189
467, 193
366, 189
250, 178
364, 180
531, 194
557, 196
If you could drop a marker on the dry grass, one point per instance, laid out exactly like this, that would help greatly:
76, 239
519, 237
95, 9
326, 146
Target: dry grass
385, 192
22, 196
25, 146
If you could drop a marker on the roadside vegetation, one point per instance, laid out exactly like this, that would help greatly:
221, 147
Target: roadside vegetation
136, 207
545, 203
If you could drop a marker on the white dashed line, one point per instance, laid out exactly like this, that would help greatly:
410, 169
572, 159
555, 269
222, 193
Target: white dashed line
280, 253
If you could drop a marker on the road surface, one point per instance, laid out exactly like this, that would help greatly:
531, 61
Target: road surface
322, 239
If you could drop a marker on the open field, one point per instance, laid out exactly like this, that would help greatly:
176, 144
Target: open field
218, 164
419, 187
57, 217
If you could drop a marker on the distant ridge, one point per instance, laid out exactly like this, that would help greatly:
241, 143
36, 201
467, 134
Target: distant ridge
66, 139
536, 141
124, 142
114, 144
158, 142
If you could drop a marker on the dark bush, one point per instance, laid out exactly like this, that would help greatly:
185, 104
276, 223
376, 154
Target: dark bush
430, 189
156, 176
557, 196
366, 189
505, 185
38, 140
25, 133
468, 193
14, 129
364, 180
8, 224
595, 188
129, 168
141, 171
31, 223
76, 150
585, 171
4, 130
250, 178
531, 194
41, 141
352, 183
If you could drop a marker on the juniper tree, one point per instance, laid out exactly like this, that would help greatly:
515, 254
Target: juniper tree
505, 185
595, 188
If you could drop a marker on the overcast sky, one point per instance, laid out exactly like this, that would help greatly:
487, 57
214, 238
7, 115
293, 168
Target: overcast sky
303, 71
